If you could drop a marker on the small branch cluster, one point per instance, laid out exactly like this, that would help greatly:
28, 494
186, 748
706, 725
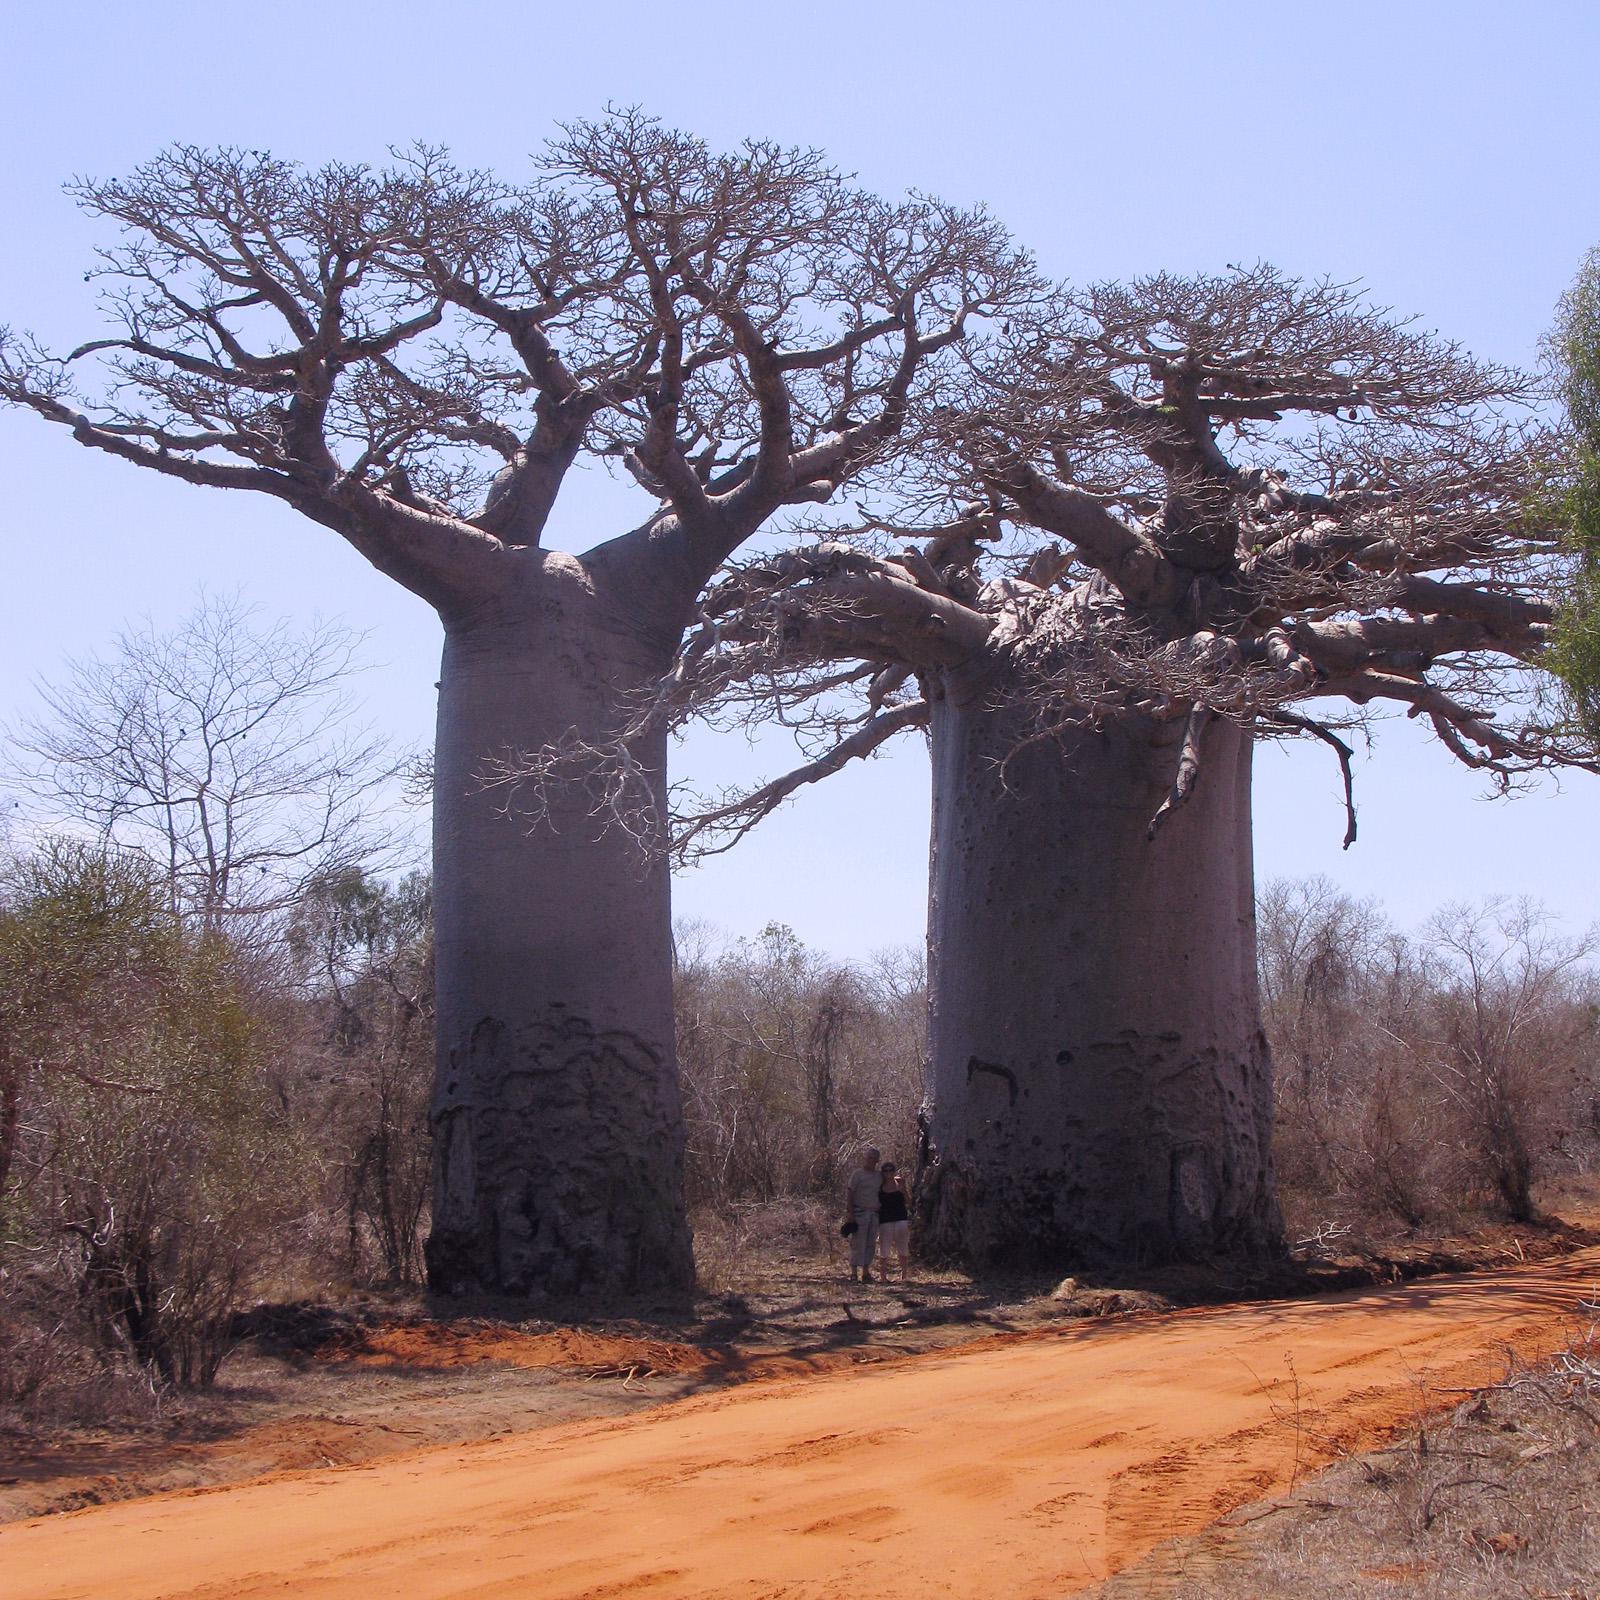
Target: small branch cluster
616, 789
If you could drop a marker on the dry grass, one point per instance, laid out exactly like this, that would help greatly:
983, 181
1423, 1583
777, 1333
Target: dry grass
1490, 1498
747, 1240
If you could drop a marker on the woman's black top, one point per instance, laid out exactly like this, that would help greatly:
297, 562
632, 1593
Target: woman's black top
892, 1206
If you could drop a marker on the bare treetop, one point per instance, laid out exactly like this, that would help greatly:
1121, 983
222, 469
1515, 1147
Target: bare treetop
1244, 423
1182, 498
416, 355
227, 752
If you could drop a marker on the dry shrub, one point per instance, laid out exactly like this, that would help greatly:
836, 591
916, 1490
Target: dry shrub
1423, 1080
49, 1373
791, 1062
739, 1242
1490, 1497
151, 1173
363, 955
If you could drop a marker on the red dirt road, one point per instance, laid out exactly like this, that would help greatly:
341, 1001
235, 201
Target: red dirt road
1025, 1465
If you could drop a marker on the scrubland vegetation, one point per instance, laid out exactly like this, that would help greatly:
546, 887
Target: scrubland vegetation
197, 1119
216, 1036
1427, 1077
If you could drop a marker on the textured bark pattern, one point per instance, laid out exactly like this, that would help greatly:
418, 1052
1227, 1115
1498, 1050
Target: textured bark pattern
1100, 1088
558, 1146
564, 1172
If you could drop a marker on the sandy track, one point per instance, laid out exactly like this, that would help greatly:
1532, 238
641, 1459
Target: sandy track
1026, 1465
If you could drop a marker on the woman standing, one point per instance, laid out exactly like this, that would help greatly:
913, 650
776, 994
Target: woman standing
894, 1221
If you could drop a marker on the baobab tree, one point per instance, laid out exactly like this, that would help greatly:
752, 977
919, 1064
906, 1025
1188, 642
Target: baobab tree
1203, 511
415, 358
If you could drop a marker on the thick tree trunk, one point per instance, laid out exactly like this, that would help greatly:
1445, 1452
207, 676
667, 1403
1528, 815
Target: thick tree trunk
558, 1136
1100, 1087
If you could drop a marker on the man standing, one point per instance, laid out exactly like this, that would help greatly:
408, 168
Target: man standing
861, 1208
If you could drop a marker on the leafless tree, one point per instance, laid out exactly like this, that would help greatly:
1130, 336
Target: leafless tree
1512, 1046
415, 358
227, 750
1197, 512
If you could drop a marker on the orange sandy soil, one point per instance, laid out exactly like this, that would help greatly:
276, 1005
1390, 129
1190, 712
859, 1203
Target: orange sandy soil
327, 1384
402, 1383
443, 1345
1026, 1464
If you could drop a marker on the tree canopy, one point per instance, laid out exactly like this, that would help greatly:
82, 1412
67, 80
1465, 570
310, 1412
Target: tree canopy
1575, 353
1177, 499
415, 355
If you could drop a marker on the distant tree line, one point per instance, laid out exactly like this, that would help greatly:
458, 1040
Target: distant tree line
195, 1122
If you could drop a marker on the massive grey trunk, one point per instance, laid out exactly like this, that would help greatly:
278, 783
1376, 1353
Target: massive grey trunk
1100, 1086
558, 1146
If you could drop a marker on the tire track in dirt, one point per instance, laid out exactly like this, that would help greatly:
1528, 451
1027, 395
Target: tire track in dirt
1032, 1467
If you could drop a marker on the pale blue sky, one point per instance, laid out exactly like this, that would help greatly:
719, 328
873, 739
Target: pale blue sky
1445, 154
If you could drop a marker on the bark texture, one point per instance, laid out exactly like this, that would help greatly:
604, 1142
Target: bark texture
1099, 1085
1235, 495
558, 1161
415, 357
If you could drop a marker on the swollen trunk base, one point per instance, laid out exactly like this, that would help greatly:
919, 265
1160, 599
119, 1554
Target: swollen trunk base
558, 1142
1100, 1088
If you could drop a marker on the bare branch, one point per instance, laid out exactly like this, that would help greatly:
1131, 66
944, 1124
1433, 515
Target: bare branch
1318, 730
1188, 774
731, 820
